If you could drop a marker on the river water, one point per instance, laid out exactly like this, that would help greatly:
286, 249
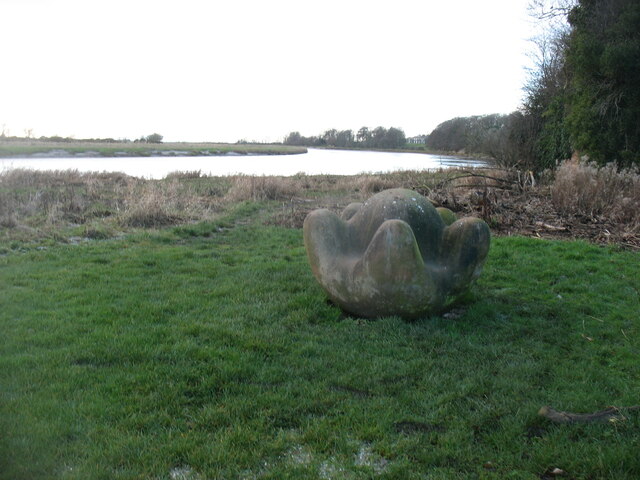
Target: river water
315, 162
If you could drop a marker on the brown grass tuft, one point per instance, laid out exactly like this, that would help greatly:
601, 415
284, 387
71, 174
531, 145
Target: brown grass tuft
152, 204
28, 196
184, 175
245, 187
372, 184
62, 199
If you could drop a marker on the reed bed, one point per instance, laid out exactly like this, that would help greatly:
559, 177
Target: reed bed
39, 202
588, 190
60, 204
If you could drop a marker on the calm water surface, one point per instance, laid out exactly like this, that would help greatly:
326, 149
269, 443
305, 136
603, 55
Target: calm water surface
316, 161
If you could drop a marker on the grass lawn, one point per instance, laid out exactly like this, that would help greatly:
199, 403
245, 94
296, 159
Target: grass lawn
209, 352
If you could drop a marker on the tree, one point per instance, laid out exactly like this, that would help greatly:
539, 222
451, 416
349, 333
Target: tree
449, 135
377, 137
294, 138
329, 137
394, 138
551, 9
604, 56
537, 137
583, 93
363, 136
344, 138
483, 134
546, 96
153, 138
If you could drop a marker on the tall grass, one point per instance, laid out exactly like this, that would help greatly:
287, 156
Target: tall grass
60, 199
588, 190
63, 204
54, 196
260, 188
56, 199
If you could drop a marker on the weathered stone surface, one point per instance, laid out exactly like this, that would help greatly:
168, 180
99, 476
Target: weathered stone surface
448, 217
394, 254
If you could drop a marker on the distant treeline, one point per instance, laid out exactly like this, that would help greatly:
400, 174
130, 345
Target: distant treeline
379, 137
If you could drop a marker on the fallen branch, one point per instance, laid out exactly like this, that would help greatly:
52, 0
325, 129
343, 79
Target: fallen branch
608, 415
479, 175
551, 227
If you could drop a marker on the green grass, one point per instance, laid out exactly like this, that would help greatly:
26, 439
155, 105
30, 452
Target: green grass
206, 352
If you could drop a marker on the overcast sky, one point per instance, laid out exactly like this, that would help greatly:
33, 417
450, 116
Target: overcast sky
196, 70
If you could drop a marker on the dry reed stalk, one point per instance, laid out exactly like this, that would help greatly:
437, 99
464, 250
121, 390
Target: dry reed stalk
184, 175
588, 190
253, 188
151, 204
372, 184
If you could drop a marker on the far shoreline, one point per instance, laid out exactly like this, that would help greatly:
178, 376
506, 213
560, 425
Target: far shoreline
421, 151
39, 149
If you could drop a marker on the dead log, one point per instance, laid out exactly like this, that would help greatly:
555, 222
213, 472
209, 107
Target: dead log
553, 228
608, 415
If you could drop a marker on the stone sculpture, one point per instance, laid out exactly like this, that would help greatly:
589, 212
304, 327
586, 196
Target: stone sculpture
395, 254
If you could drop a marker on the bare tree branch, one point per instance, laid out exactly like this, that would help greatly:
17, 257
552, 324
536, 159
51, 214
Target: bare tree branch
608, 415
550, 9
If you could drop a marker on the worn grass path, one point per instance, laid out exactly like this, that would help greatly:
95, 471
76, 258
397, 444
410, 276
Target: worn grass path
207, 352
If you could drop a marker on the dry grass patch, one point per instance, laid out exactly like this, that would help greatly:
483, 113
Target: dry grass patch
35, 198
98, 202
591, 191
255, 189
185, 175
152, 204
370, 184
599, 204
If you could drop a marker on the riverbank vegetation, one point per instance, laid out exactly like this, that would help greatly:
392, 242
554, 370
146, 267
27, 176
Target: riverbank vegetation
577, 201
23, 147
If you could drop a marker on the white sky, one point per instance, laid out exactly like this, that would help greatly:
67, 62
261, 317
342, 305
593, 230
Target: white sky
224, 70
